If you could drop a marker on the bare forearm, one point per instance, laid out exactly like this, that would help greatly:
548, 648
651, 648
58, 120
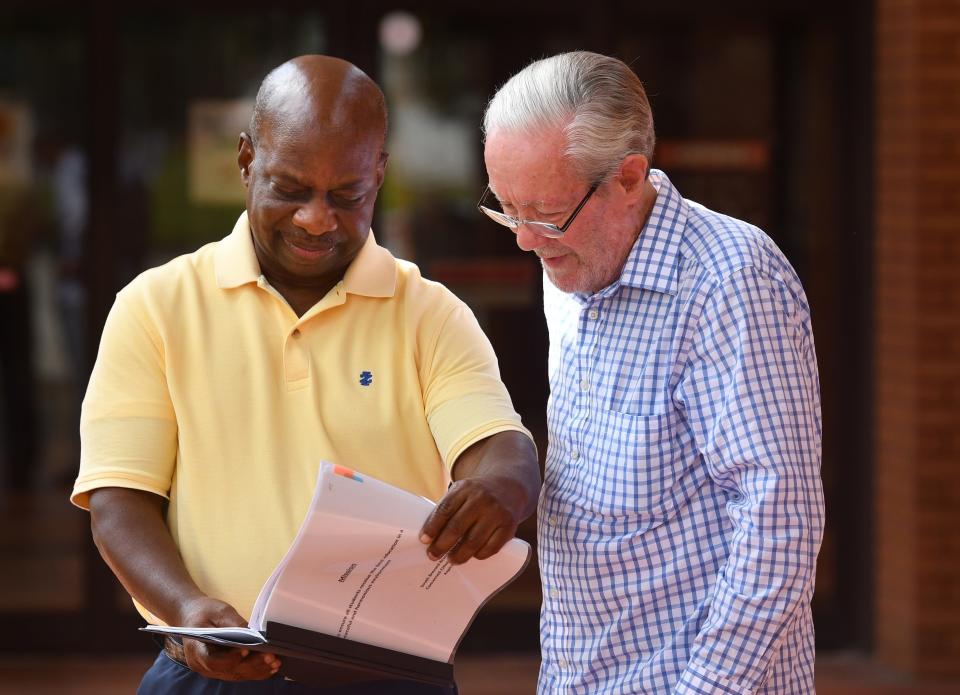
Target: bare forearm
509, 457
129, 529
497, 481
130, 532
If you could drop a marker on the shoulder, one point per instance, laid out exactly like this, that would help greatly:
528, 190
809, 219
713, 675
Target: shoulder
732, 260
160, 289
727, 253
444, 326
421, 295
723, 246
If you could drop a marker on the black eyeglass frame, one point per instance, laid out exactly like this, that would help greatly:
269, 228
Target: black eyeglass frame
546, 229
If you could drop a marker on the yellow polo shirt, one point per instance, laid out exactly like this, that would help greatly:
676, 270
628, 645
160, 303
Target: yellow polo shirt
209, 391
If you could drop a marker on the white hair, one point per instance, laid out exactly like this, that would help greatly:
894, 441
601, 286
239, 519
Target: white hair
598, 102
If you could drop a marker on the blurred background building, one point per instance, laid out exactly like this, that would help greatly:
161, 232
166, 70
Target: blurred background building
835, 126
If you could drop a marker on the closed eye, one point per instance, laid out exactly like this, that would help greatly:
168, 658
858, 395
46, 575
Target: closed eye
348, 200
288, 193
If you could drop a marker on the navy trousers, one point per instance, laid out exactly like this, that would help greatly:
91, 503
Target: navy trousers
167, 677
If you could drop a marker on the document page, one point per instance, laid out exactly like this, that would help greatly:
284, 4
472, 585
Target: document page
358, 570
230, 636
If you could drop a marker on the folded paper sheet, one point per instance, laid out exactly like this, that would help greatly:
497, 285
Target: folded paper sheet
358, 571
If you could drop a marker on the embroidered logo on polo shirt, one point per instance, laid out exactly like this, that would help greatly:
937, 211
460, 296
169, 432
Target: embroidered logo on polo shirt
366, 378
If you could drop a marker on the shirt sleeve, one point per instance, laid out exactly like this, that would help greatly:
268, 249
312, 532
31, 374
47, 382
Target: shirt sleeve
128, 430
464, 398
751, 395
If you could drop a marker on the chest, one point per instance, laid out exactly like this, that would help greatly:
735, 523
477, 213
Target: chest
339, 364
620, 354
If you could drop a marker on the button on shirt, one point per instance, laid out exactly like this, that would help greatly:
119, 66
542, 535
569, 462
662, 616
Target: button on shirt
682, 508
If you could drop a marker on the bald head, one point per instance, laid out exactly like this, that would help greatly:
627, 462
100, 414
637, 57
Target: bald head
320, 94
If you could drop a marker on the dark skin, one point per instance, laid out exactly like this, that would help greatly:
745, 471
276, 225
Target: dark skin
493, 492
312, 170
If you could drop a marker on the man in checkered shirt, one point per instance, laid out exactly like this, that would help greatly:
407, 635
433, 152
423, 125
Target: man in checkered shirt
682, 509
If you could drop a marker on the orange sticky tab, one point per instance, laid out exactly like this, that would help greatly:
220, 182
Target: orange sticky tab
344, 471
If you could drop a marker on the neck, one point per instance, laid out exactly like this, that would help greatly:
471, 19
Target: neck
646, 205
644, 208
300, 293
301, 299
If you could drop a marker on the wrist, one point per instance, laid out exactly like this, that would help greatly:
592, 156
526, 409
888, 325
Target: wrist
514, 495
190, 611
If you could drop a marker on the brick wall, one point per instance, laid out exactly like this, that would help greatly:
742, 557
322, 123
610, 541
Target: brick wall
917, 338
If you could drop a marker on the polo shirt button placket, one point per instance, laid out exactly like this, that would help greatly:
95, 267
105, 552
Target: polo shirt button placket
296, 363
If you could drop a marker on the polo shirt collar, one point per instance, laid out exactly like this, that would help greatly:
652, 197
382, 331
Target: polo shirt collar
373, 273
654, 260
235, 262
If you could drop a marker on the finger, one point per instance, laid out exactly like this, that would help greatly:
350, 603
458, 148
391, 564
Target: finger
450, 535
472, 540
258, 666
210, 660
476, 537
272, 661
495, 542
227, 662
441, 515
465, 532
232, 667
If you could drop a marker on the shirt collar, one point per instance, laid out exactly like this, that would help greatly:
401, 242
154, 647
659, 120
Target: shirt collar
653, 262
373, 273
235, 261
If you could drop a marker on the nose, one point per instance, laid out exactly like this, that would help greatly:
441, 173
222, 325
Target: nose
315, 216
527, 240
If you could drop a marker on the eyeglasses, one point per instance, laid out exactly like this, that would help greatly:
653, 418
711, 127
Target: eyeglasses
551, 231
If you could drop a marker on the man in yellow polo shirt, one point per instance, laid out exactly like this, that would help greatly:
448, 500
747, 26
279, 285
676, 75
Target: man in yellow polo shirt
225, 376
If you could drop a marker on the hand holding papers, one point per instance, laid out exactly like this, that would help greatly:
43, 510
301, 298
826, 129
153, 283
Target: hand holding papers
357, 589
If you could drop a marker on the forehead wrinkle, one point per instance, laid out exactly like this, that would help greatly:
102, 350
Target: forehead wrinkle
525, 204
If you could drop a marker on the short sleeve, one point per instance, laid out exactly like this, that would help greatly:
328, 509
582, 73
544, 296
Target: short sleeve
128, 429
464, 398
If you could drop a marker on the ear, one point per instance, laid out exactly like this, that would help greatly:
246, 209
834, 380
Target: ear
382, 167
633, 173
245, 157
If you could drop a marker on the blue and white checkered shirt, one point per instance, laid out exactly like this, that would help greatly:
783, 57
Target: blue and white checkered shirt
682, 508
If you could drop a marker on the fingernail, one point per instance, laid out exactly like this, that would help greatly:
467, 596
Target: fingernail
425, 539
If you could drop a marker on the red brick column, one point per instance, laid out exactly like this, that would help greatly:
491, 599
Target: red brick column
917, 348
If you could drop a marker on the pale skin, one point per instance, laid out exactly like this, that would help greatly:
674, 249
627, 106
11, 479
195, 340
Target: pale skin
532, 179
312, 173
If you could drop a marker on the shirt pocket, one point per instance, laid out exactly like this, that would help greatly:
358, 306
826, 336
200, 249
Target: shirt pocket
639, 464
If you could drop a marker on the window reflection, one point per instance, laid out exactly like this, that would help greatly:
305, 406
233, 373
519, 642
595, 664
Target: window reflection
43, 221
